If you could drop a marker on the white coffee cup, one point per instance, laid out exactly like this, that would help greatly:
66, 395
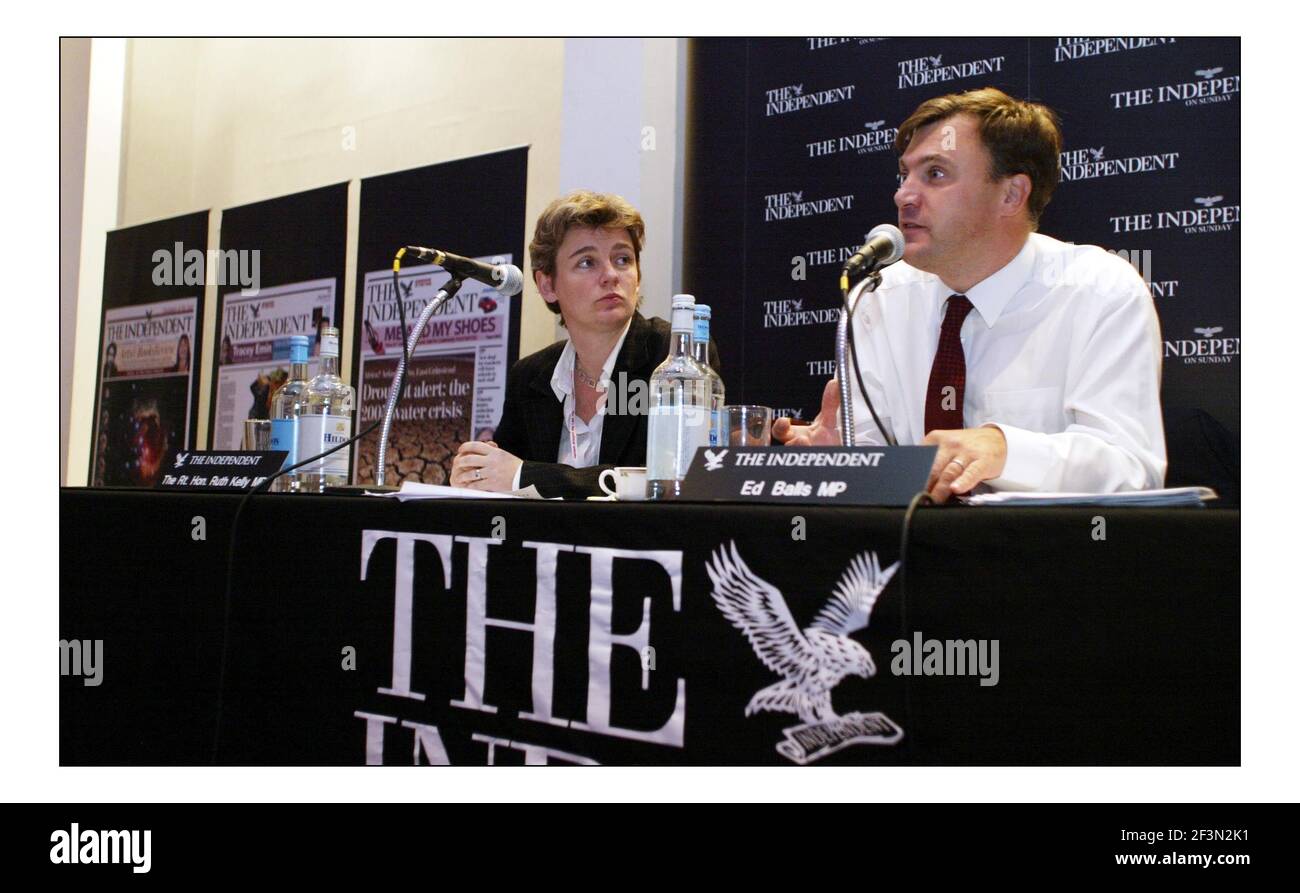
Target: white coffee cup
627, 482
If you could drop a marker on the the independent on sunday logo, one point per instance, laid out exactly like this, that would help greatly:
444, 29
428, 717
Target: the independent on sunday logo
1210, 88
872, 138
1207, 348
820, 257
811, 661
821, 43
1210, 217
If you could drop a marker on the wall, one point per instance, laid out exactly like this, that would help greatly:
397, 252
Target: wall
99, 141
74, 100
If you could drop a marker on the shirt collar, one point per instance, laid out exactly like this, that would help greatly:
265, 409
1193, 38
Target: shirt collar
991, 295
562, 377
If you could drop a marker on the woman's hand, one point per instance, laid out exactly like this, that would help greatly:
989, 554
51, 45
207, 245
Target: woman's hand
482, 465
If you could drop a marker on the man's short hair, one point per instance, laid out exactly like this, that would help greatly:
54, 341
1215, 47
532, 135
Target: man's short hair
1021, 137
582, 208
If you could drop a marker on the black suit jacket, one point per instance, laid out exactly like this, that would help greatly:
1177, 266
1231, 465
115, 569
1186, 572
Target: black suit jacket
532, 419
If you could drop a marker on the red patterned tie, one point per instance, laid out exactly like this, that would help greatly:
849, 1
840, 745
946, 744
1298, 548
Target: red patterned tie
944, 398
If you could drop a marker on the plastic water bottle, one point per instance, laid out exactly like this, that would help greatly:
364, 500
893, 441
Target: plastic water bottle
286, 406
718, 434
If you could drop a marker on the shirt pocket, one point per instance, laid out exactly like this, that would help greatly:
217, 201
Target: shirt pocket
1034, 409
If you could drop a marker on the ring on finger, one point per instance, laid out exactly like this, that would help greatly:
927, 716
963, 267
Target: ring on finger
959, 462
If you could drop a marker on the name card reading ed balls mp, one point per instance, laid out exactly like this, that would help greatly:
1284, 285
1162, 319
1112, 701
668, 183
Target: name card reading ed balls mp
234, 470
875, 476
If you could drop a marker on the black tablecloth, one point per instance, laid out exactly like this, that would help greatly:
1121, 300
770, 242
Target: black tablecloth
1117, 633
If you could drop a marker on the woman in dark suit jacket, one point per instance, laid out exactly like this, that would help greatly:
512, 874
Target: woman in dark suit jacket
554, 433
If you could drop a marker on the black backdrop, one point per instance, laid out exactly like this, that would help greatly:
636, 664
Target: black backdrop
301, 237
816, 117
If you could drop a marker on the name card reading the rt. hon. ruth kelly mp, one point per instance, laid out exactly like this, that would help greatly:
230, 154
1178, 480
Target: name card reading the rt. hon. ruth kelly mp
233, 470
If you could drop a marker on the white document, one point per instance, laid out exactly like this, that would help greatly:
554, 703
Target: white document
1168, 497
415, 490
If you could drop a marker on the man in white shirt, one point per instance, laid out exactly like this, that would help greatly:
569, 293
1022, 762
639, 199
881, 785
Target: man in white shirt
1032, 364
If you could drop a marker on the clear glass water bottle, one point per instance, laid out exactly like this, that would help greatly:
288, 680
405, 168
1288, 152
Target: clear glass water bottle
679, 408
326, 421
700, 351
286, 406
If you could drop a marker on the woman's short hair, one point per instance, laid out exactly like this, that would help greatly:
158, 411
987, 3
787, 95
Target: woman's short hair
583, 208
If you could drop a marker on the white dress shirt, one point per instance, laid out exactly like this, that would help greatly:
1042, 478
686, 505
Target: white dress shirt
579, 440
1063, 355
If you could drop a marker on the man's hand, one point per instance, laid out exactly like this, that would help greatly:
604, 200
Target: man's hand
482, 465
966, 456
824, 430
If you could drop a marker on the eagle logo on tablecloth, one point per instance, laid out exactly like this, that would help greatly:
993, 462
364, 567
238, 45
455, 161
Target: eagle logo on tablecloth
812, 661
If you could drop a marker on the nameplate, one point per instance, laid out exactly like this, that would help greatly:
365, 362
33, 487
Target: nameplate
234, 470
879, 476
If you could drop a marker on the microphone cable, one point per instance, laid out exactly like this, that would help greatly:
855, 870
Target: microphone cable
262, 488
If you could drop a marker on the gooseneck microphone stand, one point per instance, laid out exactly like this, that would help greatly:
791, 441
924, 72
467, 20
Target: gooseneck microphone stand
843, 337
395, 390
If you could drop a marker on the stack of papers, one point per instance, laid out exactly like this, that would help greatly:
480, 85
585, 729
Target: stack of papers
414, 490
1169, 497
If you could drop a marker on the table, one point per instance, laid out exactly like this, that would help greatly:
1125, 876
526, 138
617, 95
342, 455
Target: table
367, 630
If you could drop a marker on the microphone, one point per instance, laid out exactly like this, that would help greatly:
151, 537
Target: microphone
883, 247
505, 278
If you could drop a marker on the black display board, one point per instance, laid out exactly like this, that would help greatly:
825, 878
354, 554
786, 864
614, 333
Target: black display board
300, 240
147, 374
473, 207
